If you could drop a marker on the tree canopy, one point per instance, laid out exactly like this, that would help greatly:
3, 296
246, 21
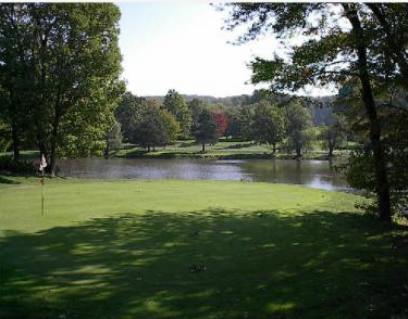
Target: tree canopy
339, 42
206, 130
268, 124
176, 105
51, 65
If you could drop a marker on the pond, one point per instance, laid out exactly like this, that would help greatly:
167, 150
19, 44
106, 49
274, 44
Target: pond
311, 173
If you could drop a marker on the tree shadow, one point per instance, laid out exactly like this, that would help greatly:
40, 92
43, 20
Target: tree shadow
188, 144
6, 180
208, 264
240, 145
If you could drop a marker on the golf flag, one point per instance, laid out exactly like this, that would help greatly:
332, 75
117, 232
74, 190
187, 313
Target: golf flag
43, 163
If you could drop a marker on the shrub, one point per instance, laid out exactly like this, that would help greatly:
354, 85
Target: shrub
9, 166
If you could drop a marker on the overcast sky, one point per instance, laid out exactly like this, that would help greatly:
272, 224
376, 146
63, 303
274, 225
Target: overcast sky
180, 45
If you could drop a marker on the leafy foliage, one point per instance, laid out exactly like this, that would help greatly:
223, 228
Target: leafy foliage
221, 121
334, 134
10, 166
240, 122
268, 124
57, 49
155, 127
176, 105
114, 138
129, 112
298, 127
339, 43
206, 131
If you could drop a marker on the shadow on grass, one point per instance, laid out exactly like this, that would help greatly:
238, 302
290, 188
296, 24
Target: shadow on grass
6, 180
188, 144
207, 264
240, 145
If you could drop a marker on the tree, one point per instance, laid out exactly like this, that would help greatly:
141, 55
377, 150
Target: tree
176, 105
268, 124
392, 21
221, 122
113, 138
196, 106
206, 131
298, 124
156, 127
129, 112
5, 138
334, 133
342, 41
150, 131
240, 122
16, 71
171, 125
71, 92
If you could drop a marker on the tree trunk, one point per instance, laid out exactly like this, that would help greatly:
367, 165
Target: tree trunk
274, 148
331, 148
203, 148
107, 150
16, 143
298, 151
382, 186
148, 148
52, 162
53, 153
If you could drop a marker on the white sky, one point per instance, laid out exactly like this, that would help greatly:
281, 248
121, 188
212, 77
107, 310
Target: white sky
180, 45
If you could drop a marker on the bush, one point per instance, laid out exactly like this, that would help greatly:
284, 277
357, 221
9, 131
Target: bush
361, 175
9, 166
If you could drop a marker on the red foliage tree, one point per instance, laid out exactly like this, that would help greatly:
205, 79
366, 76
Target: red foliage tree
221, 120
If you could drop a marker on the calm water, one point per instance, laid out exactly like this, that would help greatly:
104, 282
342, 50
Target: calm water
312, 173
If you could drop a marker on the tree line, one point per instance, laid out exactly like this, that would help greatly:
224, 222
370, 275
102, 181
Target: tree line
270, 120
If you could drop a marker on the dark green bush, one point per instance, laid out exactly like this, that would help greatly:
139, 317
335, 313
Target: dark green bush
9, 166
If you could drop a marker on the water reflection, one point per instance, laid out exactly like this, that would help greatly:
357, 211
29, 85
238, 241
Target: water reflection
312, 173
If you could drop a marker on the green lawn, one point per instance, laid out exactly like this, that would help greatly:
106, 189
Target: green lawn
194, 249
224, 149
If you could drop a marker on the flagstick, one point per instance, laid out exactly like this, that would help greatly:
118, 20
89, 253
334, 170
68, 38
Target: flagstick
42, 194
43, 165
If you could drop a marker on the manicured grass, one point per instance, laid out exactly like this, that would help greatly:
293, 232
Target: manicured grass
224, 149
194, 249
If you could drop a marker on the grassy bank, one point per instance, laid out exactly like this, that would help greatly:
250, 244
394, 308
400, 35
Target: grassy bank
193, 249
224, 149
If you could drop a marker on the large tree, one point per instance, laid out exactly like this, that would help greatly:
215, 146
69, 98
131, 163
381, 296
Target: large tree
298, 124
268, 124
206, 130
175, 103
129, 112
196, 106
240, 122
70, 54
392, 23
337, 42
155, 126
16, 70
334, 133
